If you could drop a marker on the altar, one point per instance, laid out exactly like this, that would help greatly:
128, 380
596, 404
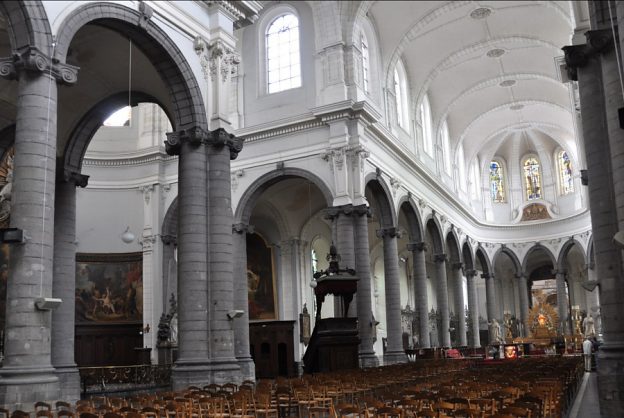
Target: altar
542, 323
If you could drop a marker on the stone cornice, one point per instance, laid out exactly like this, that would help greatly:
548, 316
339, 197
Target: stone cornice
243, 12
156, 156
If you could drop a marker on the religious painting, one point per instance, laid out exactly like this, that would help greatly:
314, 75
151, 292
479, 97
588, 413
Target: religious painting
260, 279
109, 288
565, 173
546, 289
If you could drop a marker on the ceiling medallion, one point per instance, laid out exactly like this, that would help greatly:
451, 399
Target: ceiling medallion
480, 13
516, 107
507, 83
495, 53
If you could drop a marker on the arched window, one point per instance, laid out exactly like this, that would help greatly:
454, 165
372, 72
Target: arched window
566, 183
282, 54
461, 167
532, 178
446, 146
475, 180
497, 182
425, 121
365, 61
400, 95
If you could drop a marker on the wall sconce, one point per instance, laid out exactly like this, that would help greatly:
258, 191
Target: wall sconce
127, 236
235, 313
47, 304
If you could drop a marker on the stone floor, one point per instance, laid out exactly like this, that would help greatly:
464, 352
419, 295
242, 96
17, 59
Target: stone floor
586, 403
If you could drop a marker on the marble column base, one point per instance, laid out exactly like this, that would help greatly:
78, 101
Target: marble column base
368, 360
394, 357
69, 383
610, 364
21, 387
247, 368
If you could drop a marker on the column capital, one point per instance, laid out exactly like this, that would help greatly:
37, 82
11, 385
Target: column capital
417, 246
242, 228
29, 58
169, 239
335, 211
439, 258
577, 56
457, 266
194, 135
221, 138
391, 232
362, 210
470, 273
520, 275
487, 276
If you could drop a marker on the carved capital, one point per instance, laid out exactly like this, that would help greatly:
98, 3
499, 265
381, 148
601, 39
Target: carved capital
194, 136
438, 258
521, 276
217, 58
470, 273
457, 266
70, 176
146, 14
221, 138
363, 210
577, 56
336, 211
392, 232
557, 272
487, 276
242, 228
31, 59
600, 40
169, 239
417, 246
147, 242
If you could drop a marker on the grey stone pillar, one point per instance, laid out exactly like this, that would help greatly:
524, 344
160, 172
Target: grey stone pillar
27, 374
223, 364
64, 284
394, 349
241, 302
458, 271
473, 308
344, 240
170, 282
442, 296
594, 65
490, 302
364, 304
191, 367
562, 302
524, 304
420, 289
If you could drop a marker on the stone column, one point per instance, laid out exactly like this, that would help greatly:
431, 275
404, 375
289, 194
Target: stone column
594, 65
473, 308
394, 350
191, 367
524, 304
27, 374
364, 304
420, 289
64, 284
562, 302
241, 302
344, 234
224, 146
442, 296
169, 268
490, 300
458, 271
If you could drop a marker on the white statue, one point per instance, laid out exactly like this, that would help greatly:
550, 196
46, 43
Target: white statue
173, 327
588, 326
495, 331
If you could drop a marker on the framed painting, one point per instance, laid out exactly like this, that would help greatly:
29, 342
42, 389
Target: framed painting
109, 288
260, 279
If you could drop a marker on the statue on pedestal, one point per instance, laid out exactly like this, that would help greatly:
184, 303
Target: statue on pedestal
495, 332
588, 326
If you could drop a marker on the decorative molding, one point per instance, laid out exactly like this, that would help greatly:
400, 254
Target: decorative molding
146, 14
577, 56
194, 136
395, 184
417, 246
147, 242
391, 232
439, 258
29, 58
221, 138
242, 228
358, 155
147, 192
132, 161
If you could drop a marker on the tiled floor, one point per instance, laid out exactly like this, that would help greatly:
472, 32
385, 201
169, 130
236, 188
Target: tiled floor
586, 403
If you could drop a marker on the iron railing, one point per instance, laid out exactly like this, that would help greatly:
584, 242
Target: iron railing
124, 378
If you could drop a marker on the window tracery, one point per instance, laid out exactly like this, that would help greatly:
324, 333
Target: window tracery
365, 62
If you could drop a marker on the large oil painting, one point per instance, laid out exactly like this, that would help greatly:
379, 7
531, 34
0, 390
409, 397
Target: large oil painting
109, 288
260, 279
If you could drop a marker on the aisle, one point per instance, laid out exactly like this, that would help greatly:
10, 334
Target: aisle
586, 403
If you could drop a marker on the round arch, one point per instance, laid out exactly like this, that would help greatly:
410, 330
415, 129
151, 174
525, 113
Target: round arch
169, 62
381, 194
414, 223
538, 247
567, 246
432, 225
467, 256
514, 258
170, 221
482, 258
21, 17
7, 138
452, 246
253, 192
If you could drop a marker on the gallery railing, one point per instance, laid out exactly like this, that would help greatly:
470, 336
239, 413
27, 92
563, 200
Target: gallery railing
110, 379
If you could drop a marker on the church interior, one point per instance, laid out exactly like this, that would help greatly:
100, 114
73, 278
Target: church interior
239, 208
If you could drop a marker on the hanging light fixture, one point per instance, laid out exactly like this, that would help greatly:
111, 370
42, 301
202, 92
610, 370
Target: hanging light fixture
127, 236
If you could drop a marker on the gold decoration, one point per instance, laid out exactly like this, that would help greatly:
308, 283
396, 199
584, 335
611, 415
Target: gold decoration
543, 320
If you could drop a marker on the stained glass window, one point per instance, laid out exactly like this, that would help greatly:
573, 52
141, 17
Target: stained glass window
532, 178
497, 182
565, 173
282, 51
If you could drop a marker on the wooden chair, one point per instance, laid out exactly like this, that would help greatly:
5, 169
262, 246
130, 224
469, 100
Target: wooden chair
65, 413
4, 413
150, 412
63, 406
344, 410
88, 415
319, 412
389, 412
111, 414
18, 413
517, 411
44, 413
263, 405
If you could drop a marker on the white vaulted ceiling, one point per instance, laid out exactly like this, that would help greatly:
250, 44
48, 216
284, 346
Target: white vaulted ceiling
460, 52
